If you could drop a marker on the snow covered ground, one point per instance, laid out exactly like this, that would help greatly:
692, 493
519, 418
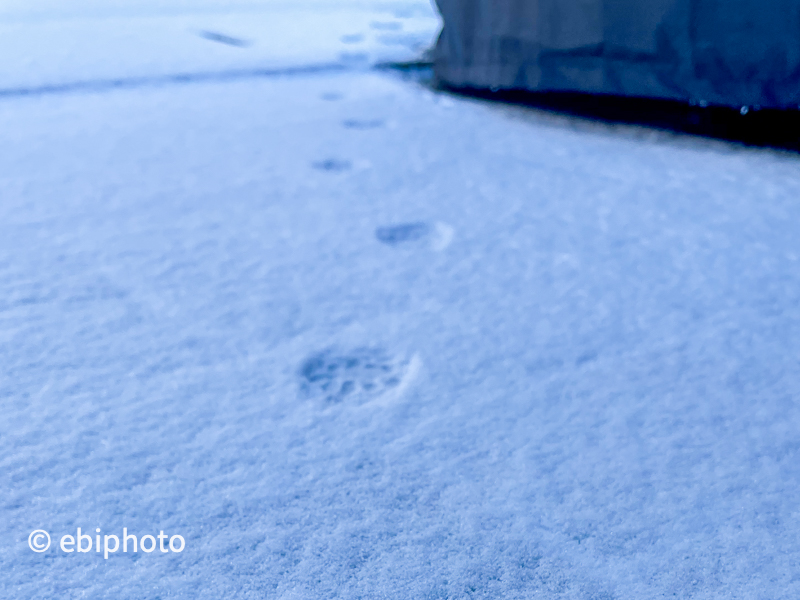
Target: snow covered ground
46, 45
352, 338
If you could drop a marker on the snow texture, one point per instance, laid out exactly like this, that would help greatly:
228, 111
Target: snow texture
487, 354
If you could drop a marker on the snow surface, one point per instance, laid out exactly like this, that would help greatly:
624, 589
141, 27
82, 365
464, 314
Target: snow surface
92, 44
352, 338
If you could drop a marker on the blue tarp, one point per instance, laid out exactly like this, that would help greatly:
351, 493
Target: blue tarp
737, 53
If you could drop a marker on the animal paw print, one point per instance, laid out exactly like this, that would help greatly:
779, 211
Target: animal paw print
355, 375
398, 234
362, 123
332, 164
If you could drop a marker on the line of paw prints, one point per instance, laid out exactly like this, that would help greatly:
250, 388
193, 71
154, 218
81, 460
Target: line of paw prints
438, 235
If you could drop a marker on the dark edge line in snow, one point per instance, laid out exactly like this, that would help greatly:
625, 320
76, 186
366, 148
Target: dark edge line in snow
101, 85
